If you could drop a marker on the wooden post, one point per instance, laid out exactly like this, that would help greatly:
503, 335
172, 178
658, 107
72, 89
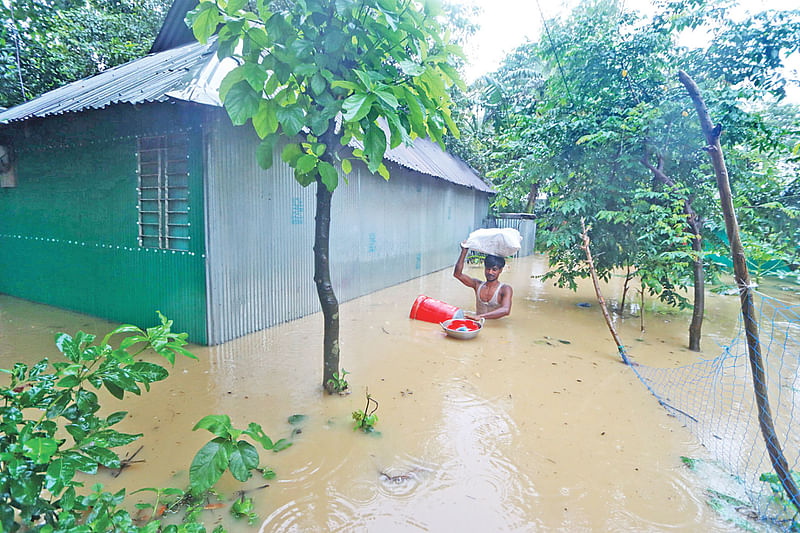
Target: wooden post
601, 301
742, 277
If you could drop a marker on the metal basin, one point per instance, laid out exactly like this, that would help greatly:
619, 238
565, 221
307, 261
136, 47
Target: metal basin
462, 328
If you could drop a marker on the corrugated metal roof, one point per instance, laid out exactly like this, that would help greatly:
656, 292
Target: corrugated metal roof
427, 157
192, 73
147, 79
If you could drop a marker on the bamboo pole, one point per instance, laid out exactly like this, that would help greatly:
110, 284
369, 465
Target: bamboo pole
714, 149
600, 299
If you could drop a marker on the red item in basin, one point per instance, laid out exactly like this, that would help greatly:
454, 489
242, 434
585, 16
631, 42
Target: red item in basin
471, 325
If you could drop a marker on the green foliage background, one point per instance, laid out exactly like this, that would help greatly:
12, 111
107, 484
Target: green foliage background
49, 43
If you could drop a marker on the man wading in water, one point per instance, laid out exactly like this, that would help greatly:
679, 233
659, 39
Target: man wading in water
492, 298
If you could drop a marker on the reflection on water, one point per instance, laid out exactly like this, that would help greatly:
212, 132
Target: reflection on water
534, 425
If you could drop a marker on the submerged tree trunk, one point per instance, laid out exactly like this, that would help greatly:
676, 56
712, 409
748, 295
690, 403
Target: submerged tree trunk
322, 279
699, 292
696, 227
628, 279
714, 149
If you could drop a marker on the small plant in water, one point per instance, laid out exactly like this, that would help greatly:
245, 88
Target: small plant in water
243, 508
778, 494
337, 383
365, 420
689, 462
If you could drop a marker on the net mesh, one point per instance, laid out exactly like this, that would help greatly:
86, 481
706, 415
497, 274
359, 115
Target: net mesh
715, 399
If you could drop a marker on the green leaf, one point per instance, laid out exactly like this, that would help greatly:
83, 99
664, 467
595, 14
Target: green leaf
116, 392
125, 328
383, 171
451, 125
242, 460
259, 38
415, 114
305, 179
104, 456
329, 175
80, 462
69, 382
388, 98
7, 517
307, 163
234, 5
265, 121
116, 417
208, 465
241, 102
109, 438
145, 372
59, 474
59, 404
39, 449
411, 68
117, 378
349, 85
68, 347
291, 119
319, 124
255, 75
255, 432
78, 433
347, 166
25, 490
264, 152
374, 146
205, 20
231, 78
296, 419
452, 73
305, 69
318, 84
86, 401
290, 154
356, 106
219, 425
281, 445
127, 342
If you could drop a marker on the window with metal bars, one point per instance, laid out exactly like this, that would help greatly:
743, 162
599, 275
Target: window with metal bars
163, 187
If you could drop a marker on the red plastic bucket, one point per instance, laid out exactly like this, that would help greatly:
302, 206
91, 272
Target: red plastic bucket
432, 310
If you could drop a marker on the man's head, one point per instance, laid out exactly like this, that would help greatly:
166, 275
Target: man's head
493, 266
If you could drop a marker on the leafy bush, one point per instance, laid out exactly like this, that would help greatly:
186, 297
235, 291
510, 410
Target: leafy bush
44, 403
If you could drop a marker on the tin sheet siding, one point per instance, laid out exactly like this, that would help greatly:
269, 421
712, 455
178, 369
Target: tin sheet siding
259, 227
68, 231
385, 233
260, 233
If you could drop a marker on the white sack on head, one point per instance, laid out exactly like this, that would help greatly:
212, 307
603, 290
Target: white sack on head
495, 241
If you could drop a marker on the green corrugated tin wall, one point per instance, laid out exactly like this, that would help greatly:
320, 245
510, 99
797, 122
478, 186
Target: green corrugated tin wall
68, 230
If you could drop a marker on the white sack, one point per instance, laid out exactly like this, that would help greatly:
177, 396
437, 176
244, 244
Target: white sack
495, 241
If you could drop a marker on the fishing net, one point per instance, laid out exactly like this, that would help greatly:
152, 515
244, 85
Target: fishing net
715, 399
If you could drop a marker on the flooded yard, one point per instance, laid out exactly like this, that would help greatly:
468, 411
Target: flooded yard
534, 425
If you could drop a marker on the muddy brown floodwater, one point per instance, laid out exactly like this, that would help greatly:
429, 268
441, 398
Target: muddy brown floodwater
534, 425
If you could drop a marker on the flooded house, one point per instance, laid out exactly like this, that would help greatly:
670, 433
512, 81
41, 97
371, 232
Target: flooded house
131, 192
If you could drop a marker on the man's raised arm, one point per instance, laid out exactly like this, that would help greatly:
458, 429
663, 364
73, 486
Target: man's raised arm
459, 268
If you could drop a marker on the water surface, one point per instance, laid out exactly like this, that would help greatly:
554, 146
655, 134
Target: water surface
534, 425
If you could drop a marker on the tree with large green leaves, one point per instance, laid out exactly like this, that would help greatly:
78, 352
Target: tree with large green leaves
604, 133
47, 43
324, 74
